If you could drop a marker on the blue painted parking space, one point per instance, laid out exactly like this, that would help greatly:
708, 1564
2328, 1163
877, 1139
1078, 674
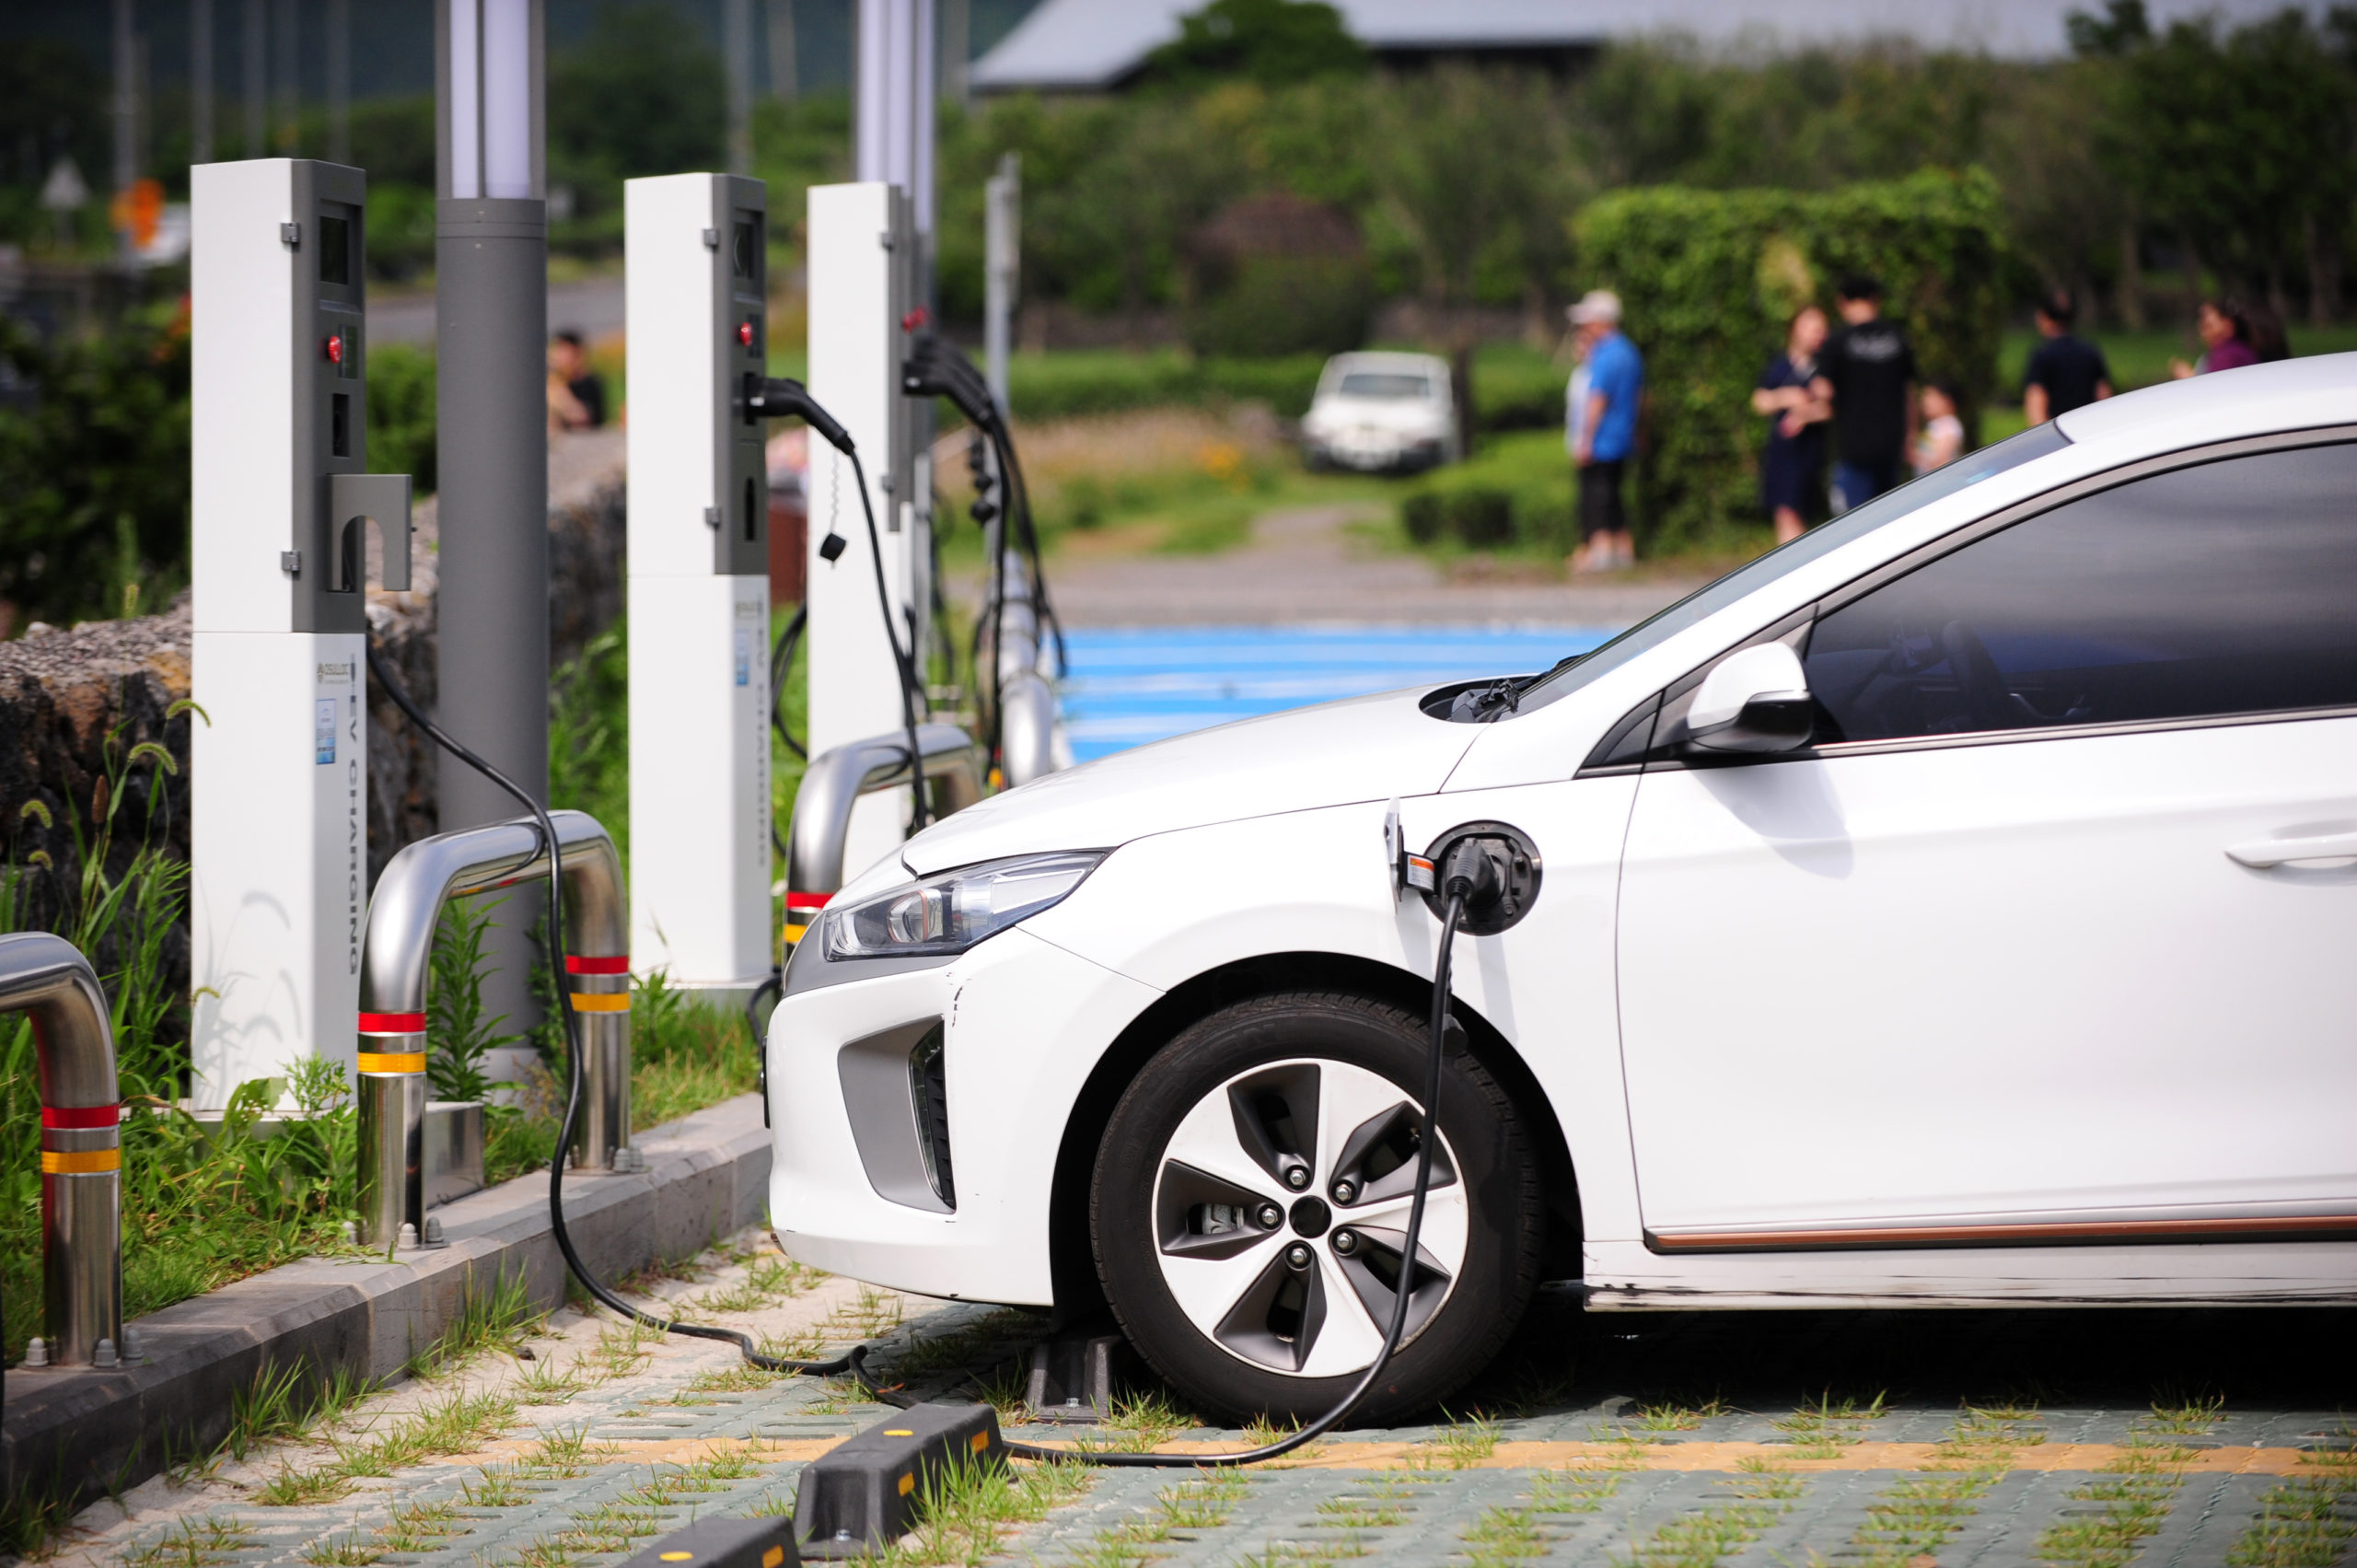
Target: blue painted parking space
1131, 685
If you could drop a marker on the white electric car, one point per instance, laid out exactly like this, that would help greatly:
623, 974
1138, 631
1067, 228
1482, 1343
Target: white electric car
1955, 906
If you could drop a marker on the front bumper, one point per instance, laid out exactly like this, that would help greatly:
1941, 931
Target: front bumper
1023, 1022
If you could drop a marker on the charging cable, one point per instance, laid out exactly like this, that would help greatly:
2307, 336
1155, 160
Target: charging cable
553, 946
775, 397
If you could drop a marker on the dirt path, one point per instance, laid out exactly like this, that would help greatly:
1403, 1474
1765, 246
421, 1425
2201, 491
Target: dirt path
1303, 565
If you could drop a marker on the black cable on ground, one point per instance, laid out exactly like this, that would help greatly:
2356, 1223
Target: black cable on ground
1428, 1136
853, 1362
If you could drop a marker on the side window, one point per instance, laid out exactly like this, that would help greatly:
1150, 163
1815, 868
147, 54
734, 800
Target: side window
2228, 587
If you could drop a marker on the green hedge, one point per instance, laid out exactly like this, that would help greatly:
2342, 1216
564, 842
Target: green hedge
1708, 279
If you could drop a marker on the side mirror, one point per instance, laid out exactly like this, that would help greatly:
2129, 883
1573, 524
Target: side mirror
1756, 701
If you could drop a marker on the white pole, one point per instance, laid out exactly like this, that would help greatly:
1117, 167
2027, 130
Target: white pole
1002, 268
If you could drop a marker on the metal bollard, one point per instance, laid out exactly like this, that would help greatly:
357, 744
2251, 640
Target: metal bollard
837, 778
394, 968
81, 1142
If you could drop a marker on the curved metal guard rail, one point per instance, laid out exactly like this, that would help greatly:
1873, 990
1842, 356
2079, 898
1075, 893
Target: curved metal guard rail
81, 1141
838, 777
395, 961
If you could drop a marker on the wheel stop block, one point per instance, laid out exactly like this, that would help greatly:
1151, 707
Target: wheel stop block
1072, 1377
719, 1542
862, 1495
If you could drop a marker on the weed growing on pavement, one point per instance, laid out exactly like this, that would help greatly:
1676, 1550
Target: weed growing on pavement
2186, 1417
741, 1378
1141, 1420
1350, 1512
208, 1542
2304, 1523
767, 1282
420, 1527
1915, 1518
622, 1348
1504, 1535
545, 1383
563, 1454
1698, 1539
1678, 1417
1459, 1445
1572, 1491
500, 1317
1289, 1554
1204, 1504
342, 1551
494, 1486
1822, 1430
871, 1316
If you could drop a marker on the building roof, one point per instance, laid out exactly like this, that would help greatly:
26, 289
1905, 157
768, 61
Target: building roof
1081, 45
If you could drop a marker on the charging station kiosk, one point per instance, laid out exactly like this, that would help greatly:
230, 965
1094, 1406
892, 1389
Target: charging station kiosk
279, 874
863, 270
696, 303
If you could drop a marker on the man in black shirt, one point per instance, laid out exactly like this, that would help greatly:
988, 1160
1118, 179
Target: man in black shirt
1868, 372
576, 392
2064, 372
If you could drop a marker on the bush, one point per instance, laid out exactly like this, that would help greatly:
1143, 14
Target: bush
94, 468
1283, 305
1065, 385
1476, 515
401, 413
1708, 278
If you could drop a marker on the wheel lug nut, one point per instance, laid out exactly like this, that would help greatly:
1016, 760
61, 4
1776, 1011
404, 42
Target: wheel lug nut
1297, 1256
1346, 1242
1346, 1190
1269, 1215
1296, 1177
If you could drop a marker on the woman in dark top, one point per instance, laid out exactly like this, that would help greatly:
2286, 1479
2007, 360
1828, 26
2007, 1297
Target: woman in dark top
1791, 469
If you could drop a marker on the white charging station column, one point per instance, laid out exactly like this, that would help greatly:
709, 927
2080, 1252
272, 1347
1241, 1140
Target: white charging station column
695, 248
278, 760
861, 260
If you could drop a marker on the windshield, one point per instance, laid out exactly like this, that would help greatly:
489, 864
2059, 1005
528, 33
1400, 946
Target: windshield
1938, 485
1383, 384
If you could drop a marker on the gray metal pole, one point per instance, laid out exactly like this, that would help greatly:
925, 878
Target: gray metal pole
956, 51
126, 99
255, 70
339, 81
737, 43
287, 128
1002, 269
784, 67
200, 81
491, 320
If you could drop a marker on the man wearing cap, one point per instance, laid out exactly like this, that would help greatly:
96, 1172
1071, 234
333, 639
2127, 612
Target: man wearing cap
1608, 433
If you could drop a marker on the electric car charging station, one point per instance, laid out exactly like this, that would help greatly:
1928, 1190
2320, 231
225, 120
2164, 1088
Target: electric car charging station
1300, 1053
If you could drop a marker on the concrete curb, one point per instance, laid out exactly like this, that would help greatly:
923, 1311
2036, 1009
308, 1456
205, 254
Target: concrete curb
92, 1432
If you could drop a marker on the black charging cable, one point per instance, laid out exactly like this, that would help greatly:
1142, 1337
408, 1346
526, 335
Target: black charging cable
553, 947
777, 397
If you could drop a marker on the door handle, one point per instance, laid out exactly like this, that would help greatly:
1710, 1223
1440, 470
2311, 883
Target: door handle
2263, 855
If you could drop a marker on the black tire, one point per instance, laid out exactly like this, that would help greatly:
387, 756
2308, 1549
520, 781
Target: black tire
1504, 1215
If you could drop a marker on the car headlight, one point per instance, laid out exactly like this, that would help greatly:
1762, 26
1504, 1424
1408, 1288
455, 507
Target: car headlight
950, 912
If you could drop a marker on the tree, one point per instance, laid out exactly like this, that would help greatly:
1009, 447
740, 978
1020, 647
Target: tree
1268, 42
640, 95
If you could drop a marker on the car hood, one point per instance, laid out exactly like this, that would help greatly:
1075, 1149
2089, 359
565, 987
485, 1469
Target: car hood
1365, 749
1381, 414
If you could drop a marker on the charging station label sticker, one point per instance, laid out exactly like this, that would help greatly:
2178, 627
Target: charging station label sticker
323, 729
744, 656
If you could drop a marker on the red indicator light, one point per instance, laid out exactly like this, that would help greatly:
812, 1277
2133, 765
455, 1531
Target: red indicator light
744, 333
335, 349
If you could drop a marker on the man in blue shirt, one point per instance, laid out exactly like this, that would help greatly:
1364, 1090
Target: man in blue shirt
1616, 382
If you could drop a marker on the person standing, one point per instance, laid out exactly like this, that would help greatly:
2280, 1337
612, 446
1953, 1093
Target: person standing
2226, 340
1940, 441
1791, 465
1607, 438
1868, 375
2065, 372
576, 392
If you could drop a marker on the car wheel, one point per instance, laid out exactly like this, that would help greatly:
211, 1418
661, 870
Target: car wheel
1250, 1199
